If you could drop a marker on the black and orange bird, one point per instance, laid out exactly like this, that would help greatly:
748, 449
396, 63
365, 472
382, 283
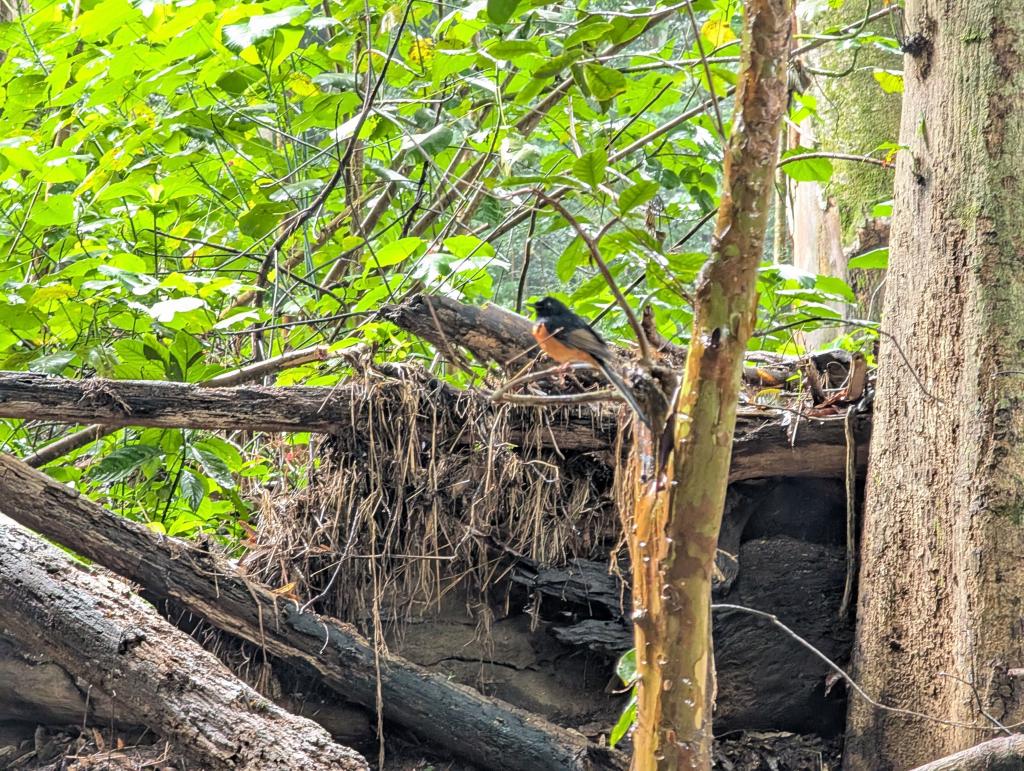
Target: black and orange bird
567, 338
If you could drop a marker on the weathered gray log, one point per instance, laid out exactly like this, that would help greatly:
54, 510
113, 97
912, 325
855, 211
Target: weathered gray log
762, 447
489, 332
250, 408
482, 730
1003, 754
492, 333
95, 627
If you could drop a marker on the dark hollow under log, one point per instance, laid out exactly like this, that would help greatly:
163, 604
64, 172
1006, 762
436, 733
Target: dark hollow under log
96, 628
484, 731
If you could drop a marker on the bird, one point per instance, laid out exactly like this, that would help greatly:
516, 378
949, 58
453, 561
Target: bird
568, 338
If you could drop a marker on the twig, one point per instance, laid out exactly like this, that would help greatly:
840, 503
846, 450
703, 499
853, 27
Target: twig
297, 220
835, 157
604, 395
532, 377
707, 72
527, 254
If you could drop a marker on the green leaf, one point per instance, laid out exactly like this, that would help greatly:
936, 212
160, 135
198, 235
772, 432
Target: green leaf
512, 49
396, 252
625, 668
500, 11
338, 81
604, 82
637, 195
625, 721
192, 489
165, 310
835, 287
890, 81
57, 210
431, 142
240, 36
807, 169
556, 64
871, 260
595, 30
123, 461
570, 260
53, 363
213, 465
589, 168
883, 209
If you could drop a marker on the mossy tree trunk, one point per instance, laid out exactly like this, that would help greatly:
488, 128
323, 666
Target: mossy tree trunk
942, 583
679, 514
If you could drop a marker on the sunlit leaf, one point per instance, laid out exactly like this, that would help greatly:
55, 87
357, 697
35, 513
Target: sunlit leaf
813, 169
871, 260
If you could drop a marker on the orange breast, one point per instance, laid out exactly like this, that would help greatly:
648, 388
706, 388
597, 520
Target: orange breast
557, 350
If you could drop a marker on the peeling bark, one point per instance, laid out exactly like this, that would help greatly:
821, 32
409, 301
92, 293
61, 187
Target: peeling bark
674, 529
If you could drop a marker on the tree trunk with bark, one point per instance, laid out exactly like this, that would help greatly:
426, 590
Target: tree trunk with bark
674, 529
108, 637
943, 548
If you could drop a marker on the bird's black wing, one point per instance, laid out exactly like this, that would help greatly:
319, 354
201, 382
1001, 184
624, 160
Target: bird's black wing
570, 329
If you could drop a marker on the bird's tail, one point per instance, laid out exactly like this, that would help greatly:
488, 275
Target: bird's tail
622, 388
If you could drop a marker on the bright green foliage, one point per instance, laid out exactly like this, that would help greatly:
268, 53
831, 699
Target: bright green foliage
153, 155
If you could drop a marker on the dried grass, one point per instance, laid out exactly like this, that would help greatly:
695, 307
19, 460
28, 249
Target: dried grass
427, 494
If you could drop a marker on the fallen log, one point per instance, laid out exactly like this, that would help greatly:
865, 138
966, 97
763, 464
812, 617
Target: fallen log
489, 332
484, 731
1003, 754
492, 333
763, 446
97, 629
162, 404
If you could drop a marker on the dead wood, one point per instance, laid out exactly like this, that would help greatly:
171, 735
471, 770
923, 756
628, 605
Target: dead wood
494, 334
763, 445
97, 629
1003, 754
489, 332
481, 730
262, 408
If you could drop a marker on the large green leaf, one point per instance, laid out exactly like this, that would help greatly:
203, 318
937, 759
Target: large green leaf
122, 462
501, 11
590, 167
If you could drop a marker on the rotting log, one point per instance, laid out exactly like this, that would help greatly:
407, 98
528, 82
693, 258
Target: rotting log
97, 629
481, 730
489, 332
764, 445
249, 408
492, 333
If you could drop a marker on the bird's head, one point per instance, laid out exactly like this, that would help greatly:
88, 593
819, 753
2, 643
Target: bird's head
549, 306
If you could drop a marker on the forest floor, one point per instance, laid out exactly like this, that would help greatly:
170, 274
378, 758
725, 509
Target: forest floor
94, 750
